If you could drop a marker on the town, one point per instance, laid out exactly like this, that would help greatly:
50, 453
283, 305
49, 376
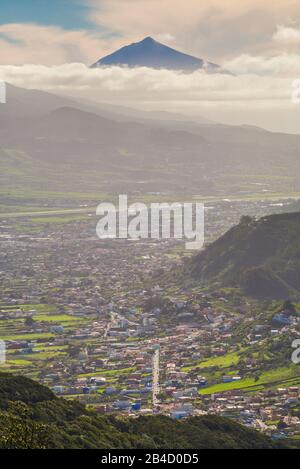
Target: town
97, 321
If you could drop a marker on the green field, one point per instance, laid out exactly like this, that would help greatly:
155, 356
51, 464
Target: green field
224, 361
275, 376
60, 318
29, 336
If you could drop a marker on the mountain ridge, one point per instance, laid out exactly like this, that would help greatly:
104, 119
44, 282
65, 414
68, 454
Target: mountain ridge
32, 417
261, 257
59, 144
153, 54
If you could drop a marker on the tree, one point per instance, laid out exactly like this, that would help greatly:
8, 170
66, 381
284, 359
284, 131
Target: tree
246, 220
289, 307
29, 322
18, 431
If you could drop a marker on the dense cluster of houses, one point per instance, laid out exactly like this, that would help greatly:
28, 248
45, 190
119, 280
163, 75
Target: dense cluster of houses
103, 355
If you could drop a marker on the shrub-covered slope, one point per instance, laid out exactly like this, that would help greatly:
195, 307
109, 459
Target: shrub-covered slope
44, 421
260, 256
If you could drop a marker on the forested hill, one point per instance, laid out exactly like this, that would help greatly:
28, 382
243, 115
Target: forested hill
32, 417
260, 256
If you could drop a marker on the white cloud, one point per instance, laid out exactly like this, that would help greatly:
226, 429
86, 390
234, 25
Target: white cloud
144, 84
263, 100
166, 38
284, 65
211, 29
287, 35
214, 30
49, 45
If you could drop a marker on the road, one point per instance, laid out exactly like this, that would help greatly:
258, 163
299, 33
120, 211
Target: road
111, 323
49, 213
73, 211
155, 378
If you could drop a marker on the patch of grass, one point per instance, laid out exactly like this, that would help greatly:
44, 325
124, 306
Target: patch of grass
18, 362
29, 336
269, 377
56, 318
224, 361
58, 220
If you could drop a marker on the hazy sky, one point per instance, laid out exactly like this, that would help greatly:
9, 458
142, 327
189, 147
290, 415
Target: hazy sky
84, 30
47, 45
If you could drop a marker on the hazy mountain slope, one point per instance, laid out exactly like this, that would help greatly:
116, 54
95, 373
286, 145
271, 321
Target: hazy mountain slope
60, 148
262, 257
108, 152
48, 422
21, 102
150, 53
31, 102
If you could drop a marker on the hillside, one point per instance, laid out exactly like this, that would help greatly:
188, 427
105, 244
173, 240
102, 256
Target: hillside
44, 421
260, 256
51, 144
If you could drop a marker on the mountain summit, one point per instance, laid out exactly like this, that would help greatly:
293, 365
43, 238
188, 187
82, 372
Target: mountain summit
150, 53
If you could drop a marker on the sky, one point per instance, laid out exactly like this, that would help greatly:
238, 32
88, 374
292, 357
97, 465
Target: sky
68, 14
215, 29
50, 44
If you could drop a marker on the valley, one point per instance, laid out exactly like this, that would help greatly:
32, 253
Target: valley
149, 228
63, 144
129, 328
84, 317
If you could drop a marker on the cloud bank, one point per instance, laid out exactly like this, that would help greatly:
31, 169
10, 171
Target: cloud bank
258, 43
260, 94
258, 80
